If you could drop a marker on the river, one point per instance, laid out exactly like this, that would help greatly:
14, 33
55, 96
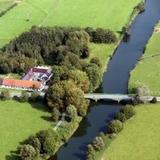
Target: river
115, 80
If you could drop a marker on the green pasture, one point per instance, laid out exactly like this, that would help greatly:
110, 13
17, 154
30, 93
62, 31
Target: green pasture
81, 13
17, 122
147, 71
4, 4
140, 138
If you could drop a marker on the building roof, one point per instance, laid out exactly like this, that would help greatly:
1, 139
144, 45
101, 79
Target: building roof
21, 83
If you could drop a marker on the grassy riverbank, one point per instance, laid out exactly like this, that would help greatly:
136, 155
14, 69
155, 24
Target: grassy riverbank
17, 122
140, 138
147, 71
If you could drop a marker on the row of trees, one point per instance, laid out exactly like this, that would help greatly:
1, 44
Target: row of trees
113, 128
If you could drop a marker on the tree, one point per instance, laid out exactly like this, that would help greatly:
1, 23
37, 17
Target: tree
34, 141
27, 152
80, 79
71, 111
64, 93
55, 114
5, 95
114, 126
94, 73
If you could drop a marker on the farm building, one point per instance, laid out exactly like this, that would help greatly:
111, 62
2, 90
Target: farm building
42, 74
21, 84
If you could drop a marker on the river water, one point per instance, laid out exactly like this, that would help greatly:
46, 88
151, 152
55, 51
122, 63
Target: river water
115, 80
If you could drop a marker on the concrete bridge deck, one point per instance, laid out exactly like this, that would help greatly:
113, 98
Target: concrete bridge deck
117, 97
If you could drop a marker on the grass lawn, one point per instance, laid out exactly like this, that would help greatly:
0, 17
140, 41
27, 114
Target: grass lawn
17, 122
140, 138
93, 13
4, 4
103, 52
147, 71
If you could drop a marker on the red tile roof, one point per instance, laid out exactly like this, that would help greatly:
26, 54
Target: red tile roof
21, 83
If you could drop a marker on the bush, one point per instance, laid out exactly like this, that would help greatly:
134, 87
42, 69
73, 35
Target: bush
154, 100
128, 111
141, 7
5, 95
96, 61
98, 143
121, 117
114, 126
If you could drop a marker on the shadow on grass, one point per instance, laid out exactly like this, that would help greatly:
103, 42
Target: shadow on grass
13, 156
47, 118
40, 106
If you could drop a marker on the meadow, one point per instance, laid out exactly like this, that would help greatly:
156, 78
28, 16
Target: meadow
140, 138
17, 122
4, 4
80, 13
147, 71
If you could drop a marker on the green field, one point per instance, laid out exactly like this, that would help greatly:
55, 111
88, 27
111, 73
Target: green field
4, 4
81, 13
147, 71
140, 138
17, 122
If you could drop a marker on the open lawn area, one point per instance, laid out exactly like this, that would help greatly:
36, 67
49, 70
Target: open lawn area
81, 13
17, 122
140, 138
147, 71
4, 4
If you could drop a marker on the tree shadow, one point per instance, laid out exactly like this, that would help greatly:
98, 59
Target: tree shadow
40, 106
47, 118
13, 155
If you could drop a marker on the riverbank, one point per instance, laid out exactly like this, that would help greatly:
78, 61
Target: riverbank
139, 139
146, 73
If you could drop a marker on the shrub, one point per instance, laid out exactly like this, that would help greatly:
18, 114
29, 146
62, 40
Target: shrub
120, 116
128, 111
5, 95
154, 100
98, 143
90, 152
115, 126
96, 61
141, 7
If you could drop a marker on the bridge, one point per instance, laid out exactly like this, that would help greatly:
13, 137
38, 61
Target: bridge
114, 97
117, 97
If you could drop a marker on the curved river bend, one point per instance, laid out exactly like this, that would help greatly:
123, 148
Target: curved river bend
115, 81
